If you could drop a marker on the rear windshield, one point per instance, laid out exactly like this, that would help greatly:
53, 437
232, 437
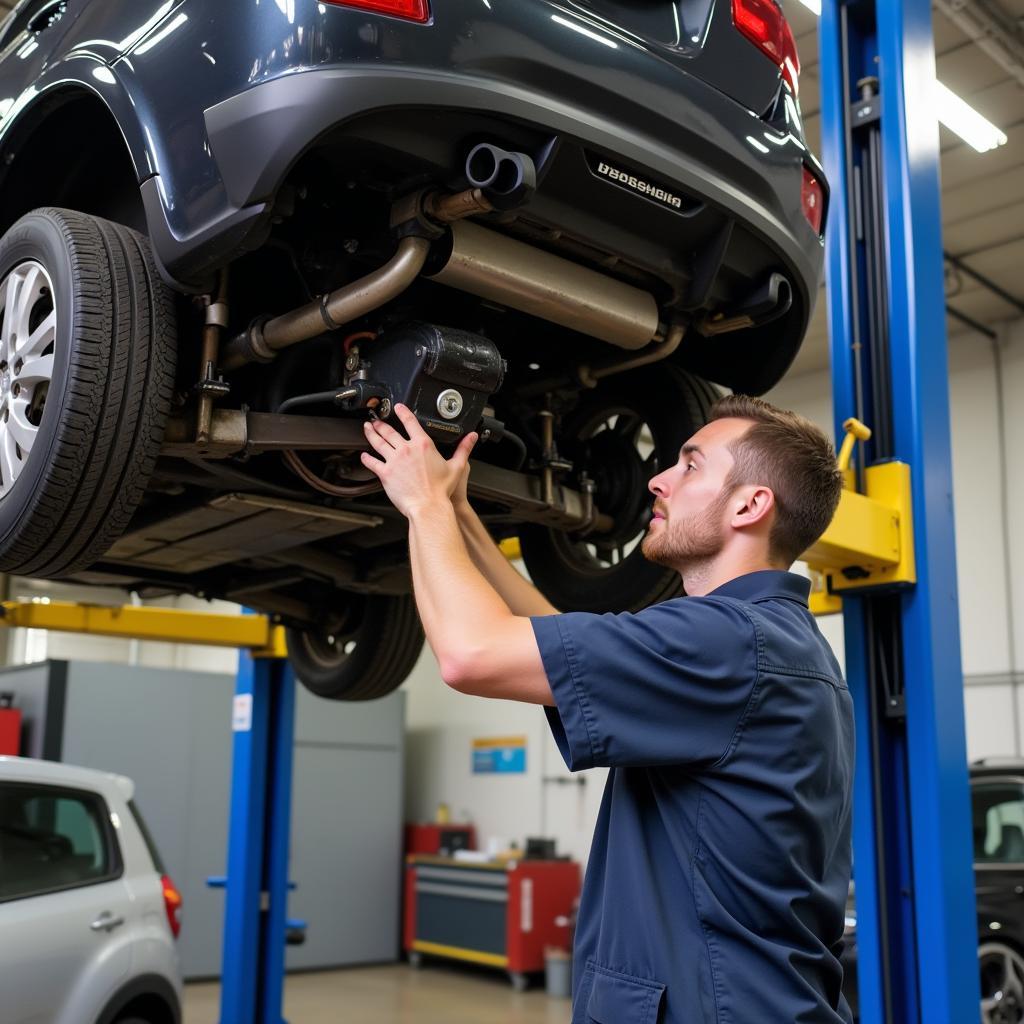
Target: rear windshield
148, 838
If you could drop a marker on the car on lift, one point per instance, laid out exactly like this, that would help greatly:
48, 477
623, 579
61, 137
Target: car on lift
88, 914
231, 232
997, 823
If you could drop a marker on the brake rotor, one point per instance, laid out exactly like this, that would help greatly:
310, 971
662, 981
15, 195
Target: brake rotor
620, 476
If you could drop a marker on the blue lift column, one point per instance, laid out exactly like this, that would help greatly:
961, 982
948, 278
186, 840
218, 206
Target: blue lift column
912, 828
263, 723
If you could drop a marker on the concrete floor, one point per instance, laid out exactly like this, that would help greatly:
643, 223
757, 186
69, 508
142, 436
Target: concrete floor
396, 994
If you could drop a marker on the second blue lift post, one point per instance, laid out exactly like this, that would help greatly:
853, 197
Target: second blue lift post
916, 927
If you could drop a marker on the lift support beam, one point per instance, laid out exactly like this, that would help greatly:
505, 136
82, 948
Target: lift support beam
263, 725
916, 927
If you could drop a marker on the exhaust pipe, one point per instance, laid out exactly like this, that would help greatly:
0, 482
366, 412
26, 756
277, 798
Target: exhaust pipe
483, 263
262, 341
515, 274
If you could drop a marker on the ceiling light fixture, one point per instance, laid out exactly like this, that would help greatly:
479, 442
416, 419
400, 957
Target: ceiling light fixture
952, 111
960, 117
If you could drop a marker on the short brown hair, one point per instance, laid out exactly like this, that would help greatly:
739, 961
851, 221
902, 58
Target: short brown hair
793, 457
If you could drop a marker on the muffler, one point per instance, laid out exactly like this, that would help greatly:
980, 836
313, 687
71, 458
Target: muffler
518, 275
482, 263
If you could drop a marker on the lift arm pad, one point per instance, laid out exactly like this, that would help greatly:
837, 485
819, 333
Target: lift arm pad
870, 542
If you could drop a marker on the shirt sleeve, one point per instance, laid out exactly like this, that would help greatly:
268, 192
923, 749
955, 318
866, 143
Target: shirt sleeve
666, 686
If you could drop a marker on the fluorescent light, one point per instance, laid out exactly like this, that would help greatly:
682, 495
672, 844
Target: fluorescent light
960, 117
758, 145
956, 114
585, 31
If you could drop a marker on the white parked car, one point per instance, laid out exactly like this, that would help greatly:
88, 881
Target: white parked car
88, 916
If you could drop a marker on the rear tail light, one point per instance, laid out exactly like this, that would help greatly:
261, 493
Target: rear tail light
414, 10
172, 904
812, 199
764, 24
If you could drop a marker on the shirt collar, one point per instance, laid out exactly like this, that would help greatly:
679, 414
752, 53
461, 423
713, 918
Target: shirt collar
766, 584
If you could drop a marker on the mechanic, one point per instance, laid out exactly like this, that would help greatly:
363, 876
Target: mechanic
717, 880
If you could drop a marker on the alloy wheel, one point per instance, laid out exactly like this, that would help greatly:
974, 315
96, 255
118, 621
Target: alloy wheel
1002, 984
28, 331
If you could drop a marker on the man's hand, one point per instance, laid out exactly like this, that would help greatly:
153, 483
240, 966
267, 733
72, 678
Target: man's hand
414, 473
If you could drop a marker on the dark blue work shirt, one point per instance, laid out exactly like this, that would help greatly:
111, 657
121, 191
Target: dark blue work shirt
717, 881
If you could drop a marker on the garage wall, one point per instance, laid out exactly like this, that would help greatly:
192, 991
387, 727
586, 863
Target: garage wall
546, 800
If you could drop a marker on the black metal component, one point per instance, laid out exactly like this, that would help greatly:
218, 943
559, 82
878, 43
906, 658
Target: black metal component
767, 302
213, 383
867, 138
445, 376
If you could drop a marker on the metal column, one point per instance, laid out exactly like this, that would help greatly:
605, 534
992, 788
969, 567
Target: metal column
912, 828
263, 721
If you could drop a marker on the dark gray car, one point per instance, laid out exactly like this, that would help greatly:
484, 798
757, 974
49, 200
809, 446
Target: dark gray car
237, 228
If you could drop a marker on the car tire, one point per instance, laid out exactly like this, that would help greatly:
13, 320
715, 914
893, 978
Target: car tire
363, 652
580, 573
77, 447
1001, 968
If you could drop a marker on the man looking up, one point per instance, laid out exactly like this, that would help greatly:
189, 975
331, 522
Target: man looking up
717, 880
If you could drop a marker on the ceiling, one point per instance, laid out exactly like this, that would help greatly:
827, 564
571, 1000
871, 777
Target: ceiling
982, 193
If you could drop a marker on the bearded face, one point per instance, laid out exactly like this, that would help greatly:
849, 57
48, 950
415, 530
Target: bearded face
686, 538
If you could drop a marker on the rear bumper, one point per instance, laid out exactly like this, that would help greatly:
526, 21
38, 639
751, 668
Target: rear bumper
236, 96
693, 139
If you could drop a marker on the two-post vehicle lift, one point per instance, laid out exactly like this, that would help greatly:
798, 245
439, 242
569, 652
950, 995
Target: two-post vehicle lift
914, 885
888, 560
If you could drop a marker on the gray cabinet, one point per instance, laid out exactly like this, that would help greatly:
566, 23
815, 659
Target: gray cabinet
170, 731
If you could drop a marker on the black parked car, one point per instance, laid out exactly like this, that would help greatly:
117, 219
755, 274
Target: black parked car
997, 812
233, 230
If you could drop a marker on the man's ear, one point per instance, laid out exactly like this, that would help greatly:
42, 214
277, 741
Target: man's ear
753, 505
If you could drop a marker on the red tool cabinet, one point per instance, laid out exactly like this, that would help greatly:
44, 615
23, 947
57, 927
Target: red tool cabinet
495, 913
10, 731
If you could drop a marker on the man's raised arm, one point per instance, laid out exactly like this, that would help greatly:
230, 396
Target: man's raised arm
522, 597
481, 645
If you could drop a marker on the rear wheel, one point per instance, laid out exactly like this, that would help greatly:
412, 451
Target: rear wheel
360, 652
87, 350
621, 434
1002, 984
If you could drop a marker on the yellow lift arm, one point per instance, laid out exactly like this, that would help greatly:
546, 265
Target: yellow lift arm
255, 633
870, 542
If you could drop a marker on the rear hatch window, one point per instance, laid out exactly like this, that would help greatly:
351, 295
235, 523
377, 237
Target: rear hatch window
147, 837
672, 22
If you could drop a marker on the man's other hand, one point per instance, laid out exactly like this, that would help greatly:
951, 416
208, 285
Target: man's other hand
414, 473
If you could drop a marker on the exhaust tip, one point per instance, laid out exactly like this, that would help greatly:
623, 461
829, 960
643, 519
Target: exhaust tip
506, 178
483, 164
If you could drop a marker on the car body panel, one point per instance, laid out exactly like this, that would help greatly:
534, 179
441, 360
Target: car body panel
54, 941
998, 887
56, 967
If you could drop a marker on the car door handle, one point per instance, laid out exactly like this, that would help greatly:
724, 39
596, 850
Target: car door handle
106, 922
